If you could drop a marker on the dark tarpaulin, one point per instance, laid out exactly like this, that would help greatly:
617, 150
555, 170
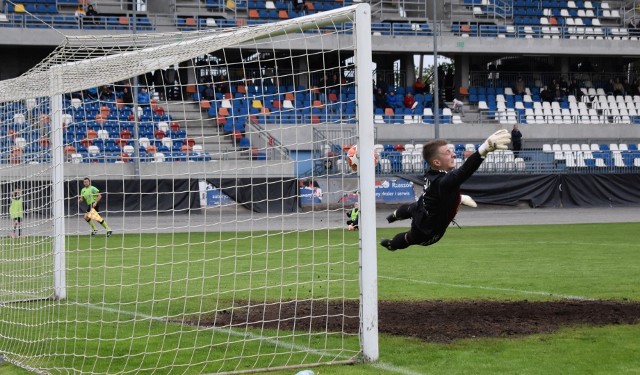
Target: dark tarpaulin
537, 190
582, 190
552, 190
261, 194
163, 195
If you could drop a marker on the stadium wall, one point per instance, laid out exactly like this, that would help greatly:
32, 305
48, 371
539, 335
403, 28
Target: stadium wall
284, 195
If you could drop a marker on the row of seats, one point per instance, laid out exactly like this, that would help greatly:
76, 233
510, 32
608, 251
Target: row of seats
72, 22
126, 157
602, 159
595, 155
527, 109
445, 116
557, 147
556, 32
545, 4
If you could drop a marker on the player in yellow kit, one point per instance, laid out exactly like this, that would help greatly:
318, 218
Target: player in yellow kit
16, 212
92, 196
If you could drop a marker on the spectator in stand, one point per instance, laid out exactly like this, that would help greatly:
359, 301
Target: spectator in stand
519, 88
626, 85
299, 5
208, 93
79, 14
635, 87
558, 93
91, 15
458, 104
563, 84
382, 84
91, 93
144, 99
618, 87
574, 89
420, 87
409, 101
391, 99
106, 93
334, 83
127, 97
546, 95
608, 89
380, 99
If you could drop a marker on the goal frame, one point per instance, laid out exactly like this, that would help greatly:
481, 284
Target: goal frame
55, 77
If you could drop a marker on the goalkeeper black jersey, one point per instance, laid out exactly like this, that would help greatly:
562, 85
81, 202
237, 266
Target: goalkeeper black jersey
438, 205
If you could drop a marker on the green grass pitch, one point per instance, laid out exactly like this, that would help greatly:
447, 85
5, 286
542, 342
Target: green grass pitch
535, 262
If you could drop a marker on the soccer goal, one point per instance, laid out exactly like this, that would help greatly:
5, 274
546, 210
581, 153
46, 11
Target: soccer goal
177, 202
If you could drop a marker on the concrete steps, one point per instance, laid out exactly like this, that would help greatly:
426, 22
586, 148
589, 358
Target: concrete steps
204, 130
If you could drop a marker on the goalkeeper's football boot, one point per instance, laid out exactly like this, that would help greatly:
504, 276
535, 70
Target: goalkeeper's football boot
391, 218
94, 232
109, 232
386, 243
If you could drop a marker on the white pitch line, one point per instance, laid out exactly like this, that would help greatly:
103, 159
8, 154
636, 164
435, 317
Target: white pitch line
380, 365
465, 286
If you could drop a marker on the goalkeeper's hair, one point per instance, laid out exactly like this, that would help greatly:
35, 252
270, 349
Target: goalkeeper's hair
431, 149
87, 179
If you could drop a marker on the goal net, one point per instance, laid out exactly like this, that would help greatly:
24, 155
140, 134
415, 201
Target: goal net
177, 202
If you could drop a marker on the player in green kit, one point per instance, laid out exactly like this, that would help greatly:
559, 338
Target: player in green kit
91, 195
16, 212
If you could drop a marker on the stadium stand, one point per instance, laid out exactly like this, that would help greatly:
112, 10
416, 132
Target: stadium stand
488, 94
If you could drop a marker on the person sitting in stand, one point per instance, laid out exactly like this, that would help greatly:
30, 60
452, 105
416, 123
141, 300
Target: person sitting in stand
91, 15
618, 87
144, 99
546, 95
127, 97
409, 101
558, 93
380, 99
419, 87
458, 105
574, 89
391, 99
520, 88
208, 93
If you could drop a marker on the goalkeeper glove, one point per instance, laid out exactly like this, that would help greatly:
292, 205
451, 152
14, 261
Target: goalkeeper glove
467, 201
496, 141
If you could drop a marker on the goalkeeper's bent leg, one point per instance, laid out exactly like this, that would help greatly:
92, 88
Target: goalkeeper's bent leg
92, 225
105, 225
398, 242
401, 213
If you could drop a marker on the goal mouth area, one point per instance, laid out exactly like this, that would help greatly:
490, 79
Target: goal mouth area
204, 153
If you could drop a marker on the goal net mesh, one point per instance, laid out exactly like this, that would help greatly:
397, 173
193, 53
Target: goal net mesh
216, 160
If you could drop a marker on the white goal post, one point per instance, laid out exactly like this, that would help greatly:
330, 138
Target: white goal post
219, 240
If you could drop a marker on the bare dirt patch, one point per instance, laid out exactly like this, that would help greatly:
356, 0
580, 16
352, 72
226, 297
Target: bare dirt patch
435, 321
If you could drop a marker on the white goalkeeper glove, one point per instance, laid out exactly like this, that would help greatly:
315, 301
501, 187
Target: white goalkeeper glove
467, 201
496, 141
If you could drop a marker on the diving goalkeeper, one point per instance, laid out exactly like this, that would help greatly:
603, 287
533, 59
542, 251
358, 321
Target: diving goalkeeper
92, 196
438, 205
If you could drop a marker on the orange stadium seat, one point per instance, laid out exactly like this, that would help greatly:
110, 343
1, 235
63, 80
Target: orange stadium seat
253, 13
283, 15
